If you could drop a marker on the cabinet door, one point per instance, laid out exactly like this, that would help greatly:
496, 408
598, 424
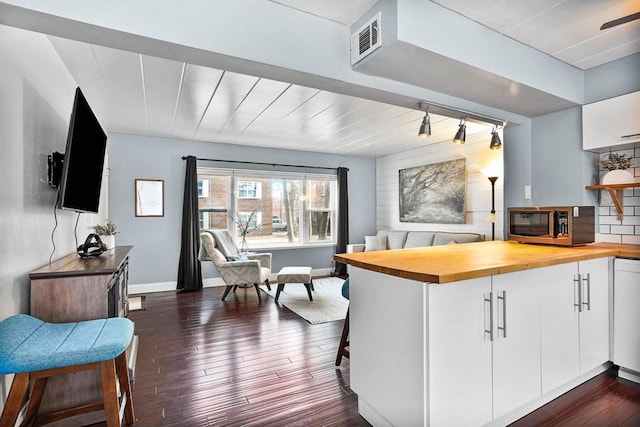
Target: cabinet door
459, 353
611, 122
560, 346
594, 318
626, 339
516, 346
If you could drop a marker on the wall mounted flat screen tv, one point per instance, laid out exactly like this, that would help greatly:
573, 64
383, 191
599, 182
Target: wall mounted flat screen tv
81, 178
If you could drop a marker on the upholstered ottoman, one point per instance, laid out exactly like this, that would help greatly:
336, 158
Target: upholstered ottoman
295, 275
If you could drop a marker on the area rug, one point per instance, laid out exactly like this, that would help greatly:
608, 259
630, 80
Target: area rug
328, 303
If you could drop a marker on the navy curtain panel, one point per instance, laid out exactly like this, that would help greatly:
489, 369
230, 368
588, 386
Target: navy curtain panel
189, 270
343, 219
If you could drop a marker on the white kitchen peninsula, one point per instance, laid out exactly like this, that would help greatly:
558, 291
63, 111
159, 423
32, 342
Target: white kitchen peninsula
475, 334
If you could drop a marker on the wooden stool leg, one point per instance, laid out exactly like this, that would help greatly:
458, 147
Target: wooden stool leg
266, 282
125, 386
280, 288
34, 400
344, 341
109, 393
12, 406
308, 286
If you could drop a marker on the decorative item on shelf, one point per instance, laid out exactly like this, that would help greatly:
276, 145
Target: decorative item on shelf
245, 227
107, 233
617, 165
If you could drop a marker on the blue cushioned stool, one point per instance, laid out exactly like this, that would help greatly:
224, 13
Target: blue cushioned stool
36, 350
343, 349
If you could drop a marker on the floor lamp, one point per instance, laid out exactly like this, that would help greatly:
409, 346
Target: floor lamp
492, 217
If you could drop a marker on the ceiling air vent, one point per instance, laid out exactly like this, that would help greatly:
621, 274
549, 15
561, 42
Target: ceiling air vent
366, 39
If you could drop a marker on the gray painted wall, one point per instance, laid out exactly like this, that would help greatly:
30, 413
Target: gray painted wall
156, 241
560, 168
36, 96
517, 164
613, 79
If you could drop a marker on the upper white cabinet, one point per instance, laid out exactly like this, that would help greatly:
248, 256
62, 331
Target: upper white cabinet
611, 122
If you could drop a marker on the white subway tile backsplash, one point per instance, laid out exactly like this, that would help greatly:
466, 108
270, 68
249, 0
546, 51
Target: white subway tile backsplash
622, 229
609, 220
610, 228
631, 220
631, 240
609, 238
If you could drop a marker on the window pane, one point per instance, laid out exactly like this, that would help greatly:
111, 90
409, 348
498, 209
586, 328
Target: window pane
320, 226
319, 194
214, 204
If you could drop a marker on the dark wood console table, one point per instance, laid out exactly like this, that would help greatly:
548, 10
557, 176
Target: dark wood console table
73, 289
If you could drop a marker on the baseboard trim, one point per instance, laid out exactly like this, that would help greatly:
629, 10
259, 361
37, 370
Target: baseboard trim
146, 288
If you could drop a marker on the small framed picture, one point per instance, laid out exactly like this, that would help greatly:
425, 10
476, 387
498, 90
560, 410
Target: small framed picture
149, 197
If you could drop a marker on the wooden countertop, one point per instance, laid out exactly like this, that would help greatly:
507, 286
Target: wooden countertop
450, 263
72, 265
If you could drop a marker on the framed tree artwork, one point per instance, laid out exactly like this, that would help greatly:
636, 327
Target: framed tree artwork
433, 193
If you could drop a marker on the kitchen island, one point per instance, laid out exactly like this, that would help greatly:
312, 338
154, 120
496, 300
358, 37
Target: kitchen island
476, 334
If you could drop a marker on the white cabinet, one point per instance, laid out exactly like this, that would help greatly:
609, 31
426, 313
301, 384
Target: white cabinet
485, 348
516, 340
611, 122
574, 321
626, 318
594, 317
460, 357
559, 339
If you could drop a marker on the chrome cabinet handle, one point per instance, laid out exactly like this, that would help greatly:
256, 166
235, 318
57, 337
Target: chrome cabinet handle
489, 300
587, 279
503, 328
578, 281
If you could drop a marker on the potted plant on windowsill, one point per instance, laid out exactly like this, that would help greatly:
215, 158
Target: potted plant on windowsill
617, 165
107, 233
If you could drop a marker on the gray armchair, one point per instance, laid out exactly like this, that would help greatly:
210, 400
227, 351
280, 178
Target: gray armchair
218, 246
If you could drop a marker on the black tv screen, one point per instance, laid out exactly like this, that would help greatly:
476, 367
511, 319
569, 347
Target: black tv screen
83, 160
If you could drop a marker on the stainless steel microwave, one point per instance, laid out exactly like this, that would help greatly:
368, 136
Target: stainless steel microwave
552, 225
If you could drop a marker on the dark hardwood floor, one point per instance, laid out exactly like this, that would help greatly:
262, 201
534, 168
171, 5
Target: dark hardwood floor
204, 362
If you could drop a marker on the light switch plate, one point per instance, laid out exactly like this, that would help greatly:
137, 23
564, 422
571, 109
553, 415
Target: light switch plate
527, 192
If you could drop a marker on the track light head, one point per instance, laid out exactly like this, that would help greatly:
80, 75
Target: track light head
495, 143
425, 127
461, 135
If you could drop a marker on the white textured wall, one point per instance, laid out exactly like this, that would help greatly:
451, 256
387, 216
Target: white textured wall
478, 193
36, 97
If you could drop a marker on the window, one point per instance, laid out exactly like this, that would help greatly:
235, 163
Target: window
203, 187
249, 190
204, 220
290, 209
213, 201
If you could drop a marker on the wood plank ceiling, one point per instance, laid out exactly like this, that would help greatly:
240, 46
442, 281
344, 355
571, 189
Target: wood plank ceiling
139, 94
143, 95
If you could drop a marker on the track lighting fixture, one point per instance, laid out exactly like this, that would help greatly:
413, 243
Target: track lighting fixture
461, 135
425, 127
495, 144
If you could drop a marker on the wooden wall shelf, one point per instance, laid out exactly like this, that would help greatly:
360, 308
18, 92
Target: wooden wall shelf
617, 194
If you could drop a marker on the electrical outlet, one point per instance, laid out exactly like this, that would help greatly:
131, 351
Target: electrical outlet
527, 192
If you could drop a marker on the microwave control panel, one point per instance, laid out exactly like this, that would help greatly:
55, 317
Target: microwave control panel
561, 224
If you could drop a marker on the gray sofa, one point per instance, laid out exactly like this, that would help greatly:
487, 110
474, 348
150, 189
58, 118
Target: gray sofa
397, 239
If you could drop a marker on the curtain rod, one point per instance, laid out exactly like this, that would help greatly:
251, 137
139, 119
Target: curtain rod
264, 164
